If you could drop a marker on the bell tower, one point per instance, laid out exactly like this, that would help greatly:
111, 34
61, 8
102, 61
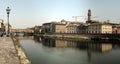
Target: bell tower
89, 15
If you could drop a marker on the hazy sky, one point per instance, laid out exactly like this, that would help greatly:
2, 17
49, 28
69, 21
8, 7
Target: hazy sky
28, 13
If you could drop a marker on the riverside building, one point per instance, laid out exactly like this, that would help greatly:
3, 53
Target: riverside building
100, 28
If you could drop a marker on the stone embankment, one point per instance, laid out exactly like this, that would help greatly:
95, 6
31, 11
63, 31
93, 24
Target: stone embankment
22, 56
8, 53
82, 36
66, 36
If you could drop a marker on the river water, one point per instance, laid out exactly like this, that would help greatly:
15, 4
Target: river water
52, 51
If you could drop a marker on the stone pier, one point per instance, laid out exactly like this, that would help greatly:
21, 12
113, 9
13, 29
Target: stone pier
8, 53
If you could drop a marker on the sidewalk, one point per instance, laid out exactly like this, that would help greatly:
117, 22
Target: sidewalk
8, 54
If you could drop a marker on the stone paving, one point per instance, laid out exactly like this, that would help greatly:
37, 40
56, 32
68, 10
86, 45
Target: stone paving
8, 54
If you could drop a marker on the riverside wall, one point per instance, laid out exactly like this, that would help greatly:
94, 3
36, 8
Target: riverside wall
71, 36
20, 52
83, 36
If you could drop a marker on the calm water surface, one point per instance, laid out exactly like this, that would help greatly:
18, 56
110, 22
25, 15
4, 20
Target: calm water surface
51, 51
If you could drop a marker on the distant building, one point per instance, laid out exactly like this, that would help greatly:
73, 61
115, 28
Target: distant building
61, 27
114, 29
70, 22
64, 22
118, 30
2, 27
100, 28
82, 29
58, 28
37, 29
71, 29
89, 20
46, 27
54, 27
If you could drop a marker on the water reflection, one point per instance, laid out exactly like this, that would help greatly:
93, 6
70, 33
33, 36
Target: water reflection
25, 37
90, 46
57, 51
85, 45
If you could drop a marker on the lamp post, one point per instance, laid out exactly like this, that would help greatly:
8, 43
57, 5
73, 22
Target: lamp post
8, 27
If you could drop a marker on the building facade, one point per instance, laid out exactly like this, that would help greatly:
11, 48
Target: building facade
2, 27
115, 28
98, 28
118, 30
58, 28
82, 29
46, 28
54, 27
71, 29
37, 29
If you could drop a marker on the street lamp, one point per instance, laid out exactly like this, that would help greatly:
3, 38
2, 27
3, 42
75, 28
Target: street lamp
8, 29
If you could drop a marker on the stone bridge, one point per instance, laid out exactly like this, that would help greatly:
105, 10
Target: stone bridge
22, 30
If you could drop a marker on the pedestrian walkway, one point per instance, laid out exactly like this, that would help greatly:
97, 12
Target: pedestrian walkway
8, 54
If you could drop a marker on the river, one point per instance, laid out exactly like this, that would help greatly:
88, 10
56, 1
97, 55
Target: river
52, 51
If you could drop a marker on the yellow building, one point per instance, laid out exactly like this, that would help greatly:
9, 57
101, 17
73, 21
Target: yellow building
100, 28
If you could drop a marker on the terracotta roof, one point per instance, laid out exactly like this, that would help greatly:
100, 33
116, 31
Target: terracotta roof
72, 25
76, 22
100, 24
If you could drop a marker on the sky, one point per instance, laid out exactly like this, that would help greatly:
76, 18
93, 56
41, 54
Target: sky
28, 13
